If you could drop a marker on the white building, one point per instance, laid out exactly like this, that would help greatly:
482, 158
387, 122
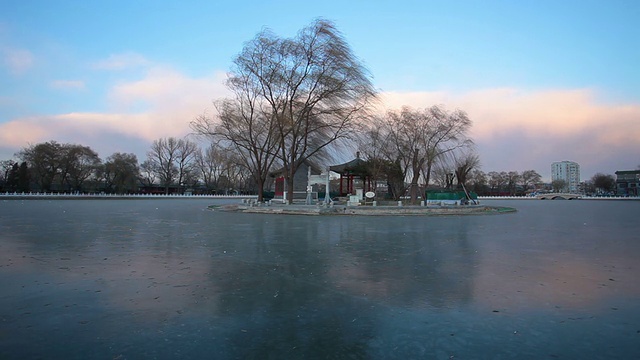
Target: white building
568, 171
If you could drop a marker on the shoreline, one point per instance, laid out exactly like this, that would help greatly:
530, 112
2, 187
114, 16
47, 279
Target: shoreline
338, 210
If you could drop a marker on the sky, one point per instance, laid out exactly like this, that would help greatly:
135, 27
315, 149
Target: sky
541, 80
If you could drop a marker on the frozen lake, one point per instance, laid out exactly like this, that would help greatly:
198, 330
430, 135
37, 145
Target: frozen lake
168, 279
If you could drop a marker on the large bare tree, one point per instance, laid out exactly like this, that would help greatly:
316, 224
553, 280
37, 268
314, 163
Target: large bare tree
311, 89
417, 138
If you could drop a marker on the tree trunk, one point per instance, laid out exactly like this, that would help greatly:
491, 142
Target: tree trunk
260, 182
416, 165
289, 189
414, 188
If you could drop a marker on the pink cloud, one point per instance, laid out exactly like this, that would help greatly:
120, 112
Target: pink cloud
513, 129
520, 130
171, 101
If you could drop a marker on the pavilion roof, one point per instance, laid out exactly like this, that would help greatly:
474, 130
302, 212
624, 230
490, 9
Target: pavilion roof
356, 166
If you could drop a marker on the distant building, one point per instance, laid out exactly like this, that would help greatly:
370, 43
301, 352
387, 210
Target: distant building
627, 182
568, 171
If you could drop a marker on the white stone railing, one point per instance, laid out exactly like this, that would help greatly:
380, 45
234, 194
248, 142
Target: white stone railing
581, 197
106, 196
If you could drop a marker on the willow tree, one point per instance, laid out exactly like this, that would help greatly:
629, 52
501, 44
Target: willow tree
120, 172
310, 90
464, 164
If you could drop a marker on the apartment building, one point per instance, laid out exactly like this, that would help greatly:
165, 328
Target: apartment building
568, 171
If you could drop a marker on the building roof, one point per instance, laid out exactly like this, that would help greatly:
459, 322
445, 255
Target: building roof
315, 169
628, 172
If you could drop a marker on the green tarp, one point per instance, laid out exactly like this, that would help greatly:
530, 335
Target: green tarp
449, 195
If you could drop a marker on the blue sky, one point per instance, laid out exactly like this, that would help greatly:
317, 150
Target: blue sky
543, 81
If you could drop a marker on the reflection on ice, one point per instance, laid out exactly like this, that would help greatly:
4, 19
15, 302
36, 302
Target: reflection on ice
167, 279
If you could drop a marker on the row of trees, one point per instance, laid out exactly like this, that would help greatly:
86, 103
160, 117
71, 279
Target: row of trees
174, 164
503, 182
515, 183
178, 164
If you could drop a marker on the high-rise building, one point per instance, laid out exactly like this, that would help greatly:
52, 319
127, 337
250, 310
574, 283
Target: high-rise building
568, 171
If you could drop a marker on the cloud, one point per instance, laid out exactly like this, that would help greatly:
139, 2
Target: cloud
161, 104
68, 84
513, 129
18, 61
122, 61
519, 130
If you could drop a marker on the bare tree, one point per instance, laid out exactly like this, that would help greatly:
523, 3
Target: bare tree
513, 179
441, 175
603, 183
417, 139
44, 160
80, 163
313, 88
375, 144
209, 164
147, 173
6, 167
162, 158
244, 123
497, 181
234, 174
559, 185
529, 178
478, 180
185, 159
65, 166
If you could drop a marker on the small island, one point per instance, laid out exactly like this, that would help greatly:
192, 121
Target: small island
367, 210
